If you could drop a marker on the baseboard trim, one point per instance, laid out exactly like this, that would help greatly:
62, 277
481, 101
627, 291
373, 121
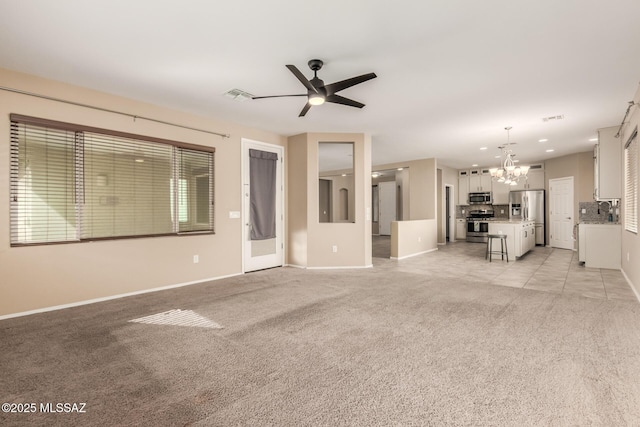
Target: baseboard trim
346, 267
295, 266
111, 297
633, 288
412, 255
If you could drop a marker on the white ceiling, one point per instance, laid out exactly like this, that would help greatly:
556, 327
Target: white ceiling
451, 73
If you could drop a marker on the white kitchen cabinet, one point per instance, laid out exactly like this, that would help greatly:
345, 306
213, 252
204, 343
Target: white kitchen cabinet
534, 181
479, 180
527, 238
520, 236
463, 187
500, 192
607, 165
599, 245
461, 229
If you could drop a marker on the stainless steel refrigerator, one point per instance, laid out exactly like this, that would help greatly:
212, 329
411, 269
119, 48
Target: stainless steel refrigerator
529, 205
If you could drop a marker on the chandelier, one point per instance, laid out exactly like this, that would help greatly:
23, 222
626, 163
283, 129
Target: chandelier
508, 172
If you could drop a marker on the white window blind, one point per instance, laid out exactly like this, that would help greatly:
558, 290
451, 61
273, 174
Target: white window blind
631, 183
195, 173
76, 183
43, 162
126, 187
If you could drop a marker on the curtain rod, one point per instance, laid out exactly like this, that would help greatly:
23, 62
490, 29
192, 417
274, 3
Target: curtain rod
50, 98
631, 104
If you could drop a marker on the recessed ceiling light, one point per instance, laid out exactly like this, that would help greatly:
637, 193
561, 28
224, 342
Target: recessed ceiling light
475, 165
344, 174
375, 175
593, 140
483, 148
543, 140
550, 150
400, 169
497, 157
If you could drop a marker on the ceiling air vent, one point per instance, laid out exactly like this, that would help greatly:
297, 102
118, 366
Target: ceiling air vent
238, 95
553, 118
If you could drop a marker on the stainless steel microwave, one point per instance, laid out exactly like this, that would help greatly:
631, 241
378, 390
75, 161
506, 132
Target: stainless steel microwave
482, 198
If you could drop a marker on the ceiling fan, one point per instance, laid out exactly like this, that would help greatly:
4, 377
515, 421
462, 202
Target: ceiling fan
318, 93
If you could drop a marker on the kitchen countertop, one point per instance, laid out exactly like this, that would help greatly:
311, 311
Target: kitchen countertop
509, 221
600, 223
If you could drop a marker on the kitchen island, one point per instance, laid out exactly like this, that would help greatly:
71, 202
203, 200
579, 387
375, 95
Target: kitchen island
521, 236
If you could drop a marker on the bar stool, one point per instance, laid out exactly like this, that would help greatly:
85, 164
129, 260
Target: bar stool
503, 246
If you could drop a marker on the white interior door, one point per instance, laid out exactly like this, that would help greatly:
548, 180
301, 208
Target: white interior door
267, 250
387, 199
561, 213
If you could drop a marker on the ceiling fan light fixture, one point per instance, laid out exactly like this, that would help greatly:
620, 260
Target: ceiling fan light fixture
318, 93
316, 99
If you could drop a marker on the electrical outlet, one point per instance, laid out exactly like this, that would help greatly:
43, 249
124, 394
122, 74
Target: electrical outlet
419, 239
501, 211
334, 248
196, 259
584, 211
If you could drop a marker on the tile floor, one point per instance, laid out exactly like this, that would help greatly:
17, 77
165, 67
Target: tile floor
542, 269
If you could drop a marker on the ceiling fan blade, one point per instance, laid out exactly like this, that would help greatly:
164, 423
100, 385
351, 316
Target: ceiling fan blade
338, 86
277, 96
337, 99
302, 78
306, 108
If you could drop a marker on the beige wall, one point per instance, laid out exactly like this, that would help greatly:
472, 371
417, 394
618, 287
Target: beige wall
446, 176
297, 200
631, 241
402, 180
353, 240
409, 238
44, 276
422, 187
580, 167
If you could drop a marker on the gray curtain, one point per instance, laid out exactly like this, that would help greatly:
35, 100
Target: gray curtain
262, 180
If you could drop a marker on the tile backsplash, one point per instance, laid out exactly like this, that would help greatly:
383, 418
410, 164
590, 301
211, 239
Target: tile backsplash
501, 211
597, 212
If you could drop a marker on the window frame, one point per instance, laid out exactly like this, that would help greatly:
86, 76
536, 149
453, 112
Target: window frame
631, 190
79, 179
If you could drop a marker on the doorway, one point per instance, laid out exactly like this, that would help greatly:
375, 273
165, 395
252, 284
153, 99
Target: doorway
450, 208
263, 210
561, 213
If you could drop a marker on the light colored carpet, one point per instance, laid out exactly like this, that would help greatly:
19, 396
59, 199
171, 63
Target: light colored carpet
392, 345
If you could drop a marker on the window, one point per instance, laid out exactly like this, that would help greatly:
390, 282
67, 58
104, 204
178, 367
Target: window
631, 183
73, 183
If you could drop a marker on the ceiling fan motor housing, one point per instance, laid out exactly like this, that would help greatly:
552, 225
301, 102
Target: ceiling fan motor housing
315, 64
